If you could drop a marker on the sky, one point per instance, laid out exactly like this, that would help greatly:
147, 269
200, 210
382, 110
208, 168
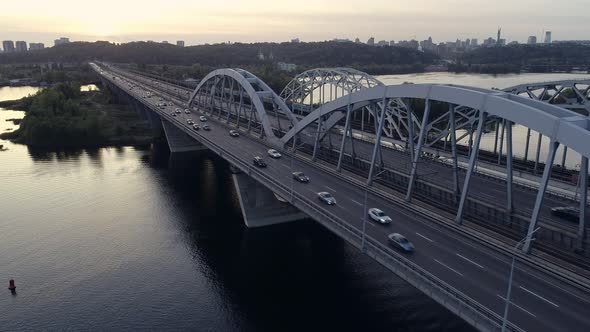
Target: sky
215, 21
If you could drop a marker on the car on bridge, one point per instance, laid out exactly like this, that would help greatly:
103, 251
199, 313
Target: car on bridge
203, 119
206, 127
178, 111
379, 216
190, 121
187, 111
327, 198
274, 153
400, 242
570, 213
234, 133
196, 126
299, 176
258, 161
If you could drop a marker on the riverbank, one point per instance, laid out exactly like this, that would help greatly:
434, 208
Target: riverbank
65, 117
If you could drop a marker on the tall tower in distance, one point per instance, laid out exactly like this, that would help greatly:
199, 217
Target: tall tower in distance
499, 35
547, 37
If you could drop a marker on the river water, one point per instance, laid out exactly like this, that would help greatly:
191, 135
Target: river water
133, 238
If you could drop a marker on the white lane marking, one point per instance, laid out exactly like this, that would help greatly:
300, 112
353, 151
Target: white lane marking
516, 305
469, 260
285, 166
330, 188
424, 237
448, 267
539, 296
356, 202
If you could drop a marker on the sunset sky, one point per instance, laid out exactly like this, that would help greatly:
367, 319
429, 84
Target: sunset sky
212, 21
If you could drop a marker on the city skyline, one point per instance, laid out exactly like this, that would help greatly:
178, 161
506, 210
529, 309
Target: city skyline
263, 20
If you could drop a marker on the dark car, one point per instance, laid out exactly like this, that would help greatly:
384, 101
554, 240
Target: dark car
258, 161
206, 127
299, 176
400, 242
570, 213
326, 197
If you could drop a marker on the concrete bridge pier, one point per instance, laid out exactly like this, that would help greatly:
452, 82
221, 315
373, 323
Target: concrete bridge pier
179, 141
260, 206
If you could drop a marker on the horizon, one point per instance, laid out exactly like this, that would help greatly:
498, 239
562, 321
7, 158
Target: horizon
266, 21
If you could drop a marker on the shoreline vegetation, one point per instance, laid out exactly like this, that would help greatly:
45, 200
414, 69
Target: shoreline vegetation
64, 117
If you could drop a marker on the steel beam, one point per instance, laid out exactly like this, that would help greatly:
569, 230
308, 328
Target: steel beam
539, 141
540, 195
376, 148
472, 161
583, 203
423, 130
454, 150
410, 130
343, 143
509, 175
501, 141
526, 146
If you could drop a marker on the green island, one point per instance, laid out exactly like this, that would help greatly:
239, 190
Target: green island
64, 117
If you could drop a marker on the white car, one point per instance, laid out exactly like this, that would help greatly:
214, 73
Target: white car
187, 111
379, 216
203, 119
274, 153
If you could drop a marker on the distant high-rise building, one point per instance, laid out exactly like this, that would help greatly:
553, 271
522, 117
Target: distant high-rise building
391, 42
383, 43
547, 37
165, 42
467, 43
8, 46
498, 40
532, 40
36, 46
371, 41
295, 40
357, 40
61, 41
474, 42
180, 43
502, 42
21, 46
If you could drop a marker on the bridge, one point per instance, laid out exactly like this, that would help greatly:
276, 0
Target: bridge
414, 151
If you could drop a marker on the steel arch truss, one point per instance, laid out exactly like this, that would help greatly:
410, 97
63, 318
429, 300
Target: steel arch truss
315, 87
239, 97
444, 110
570, 94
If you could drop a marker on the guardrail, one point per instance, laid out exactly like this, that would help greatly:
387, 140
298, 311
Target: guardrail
481, 317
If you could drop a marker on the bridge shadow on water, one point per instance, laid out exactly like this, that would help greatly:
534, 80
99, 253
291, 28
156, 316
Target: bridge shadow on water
290, 277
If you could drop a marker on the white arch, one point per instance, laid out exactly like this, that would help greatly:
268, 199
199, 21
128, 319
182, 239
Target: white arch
347, 79
581, 100
564, 126
246, 80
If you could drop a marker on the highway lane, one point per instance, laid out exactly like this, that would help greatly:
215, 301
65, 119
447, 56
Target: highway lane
449, 258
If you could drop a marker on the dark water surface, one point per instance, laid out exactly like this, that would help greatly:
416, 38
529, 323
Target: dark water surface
126, 238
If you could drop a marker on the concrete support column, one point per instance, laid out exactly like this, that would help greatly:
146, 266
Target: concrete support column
260, 206
179, 141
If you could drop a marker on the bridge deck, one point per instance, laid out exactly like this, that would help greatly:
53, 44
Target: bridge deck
541, 301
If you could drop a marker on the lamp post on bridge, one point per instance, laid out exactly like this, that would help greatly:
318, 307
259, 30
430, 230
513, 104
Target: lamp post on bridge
509, 290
